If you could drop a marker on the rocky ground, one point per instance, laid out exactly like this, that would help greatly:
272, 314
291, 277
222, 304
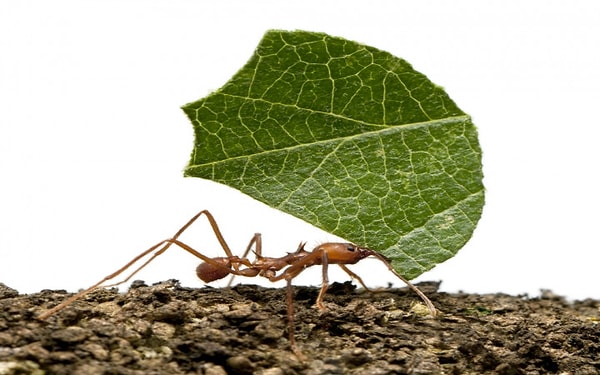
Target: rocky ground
169, 329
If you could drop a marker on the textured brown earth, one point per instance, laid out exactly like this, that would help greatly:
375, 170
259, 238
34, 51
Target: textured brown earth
168, 329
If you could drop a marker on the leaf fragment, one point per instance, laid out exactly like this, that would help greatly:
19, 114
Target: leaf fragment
350, 139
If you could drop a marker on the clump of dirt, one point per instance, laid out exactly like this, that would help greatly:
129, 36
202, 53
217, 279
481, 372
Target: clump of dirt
169, 329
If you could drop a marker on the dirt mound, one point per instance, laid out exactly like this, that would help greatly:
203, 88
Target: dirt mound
169, 329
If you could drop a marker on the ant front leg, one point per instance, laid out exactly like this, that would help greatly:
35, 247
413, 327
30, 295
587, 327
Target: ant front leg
355, 277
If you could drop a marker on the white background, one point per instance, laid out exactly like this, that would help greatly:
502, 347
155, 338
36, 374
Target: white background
93, 141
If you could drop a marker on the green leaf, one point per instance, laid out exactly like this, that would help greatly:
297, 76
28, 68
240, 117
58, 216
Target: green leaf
350, 139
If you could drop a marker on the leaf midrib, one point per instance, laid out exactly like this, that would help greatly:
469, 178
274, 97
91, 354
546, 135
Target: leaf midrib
333, 114
382, 131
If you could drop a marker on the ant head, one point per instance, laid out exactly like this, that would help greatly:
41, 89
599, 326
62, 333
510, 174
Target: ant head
366, 252
344, 252
353, 248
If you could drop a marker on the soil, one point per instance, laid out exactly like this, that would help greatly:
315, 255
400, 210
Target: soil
169, 329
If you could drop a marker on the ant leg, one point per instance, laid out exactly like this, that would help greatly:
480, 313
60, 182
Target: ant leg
360, 281
214, 226
255, 240
290, 316
233, 260
355, 277
318, 256
167, 244
77, 296
325, 283
426, 300
290, 313
216, 231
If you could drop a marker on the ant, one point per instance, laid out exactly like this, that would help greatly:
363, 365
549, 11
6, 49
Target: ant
217, 268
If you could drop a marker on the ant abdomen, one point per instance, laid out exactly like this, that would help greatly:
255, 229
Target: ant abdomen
210, 272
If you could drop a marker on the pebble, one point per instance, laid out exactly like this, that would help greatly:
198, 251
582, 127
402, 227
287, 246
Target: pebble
273, 371
20, 367
102, 327
163, 330
96, 350
238, 314
356, 356
7, 292
71, 334
215, 370
240, 365
268, 331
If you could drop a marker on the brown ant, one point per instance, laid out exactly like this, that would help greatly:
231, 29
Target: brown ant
212, 269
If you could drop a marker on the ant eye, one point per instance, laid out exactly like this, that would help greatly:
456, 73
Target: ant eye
350, 247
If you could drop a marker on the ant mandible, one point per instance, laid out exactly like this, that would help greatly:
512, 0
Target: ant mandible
212, 269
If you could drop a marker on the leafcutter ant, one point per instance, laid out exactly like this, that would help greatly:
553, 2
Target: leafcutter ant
290, 265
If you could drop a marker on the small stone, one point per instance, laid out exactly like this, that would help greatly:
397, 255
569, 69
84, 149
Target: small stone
240, 364
24, 367
96, 350
89, 368
7, 292
71, 335
238, 314
215, 370
61, 356
420, 309
268, 331
34, 350
163, 330
108, 308
6, 339
171, 312
137, 284
102, 327
273, 371
356, 356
